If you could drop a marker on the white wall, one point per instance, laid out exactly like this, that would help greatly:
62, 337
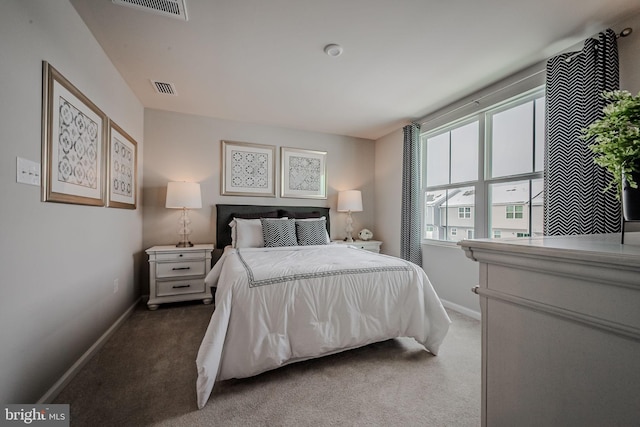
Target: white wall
388, 191
629, 55
182, 147
58, 261
450, 272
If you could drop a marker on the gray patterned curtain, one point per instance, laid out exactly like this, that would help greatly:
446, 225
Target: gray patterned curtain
574, 201
410, 248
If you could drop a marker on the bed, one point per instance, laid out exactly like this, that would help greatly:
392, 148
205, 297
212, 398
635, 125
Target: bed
285, 303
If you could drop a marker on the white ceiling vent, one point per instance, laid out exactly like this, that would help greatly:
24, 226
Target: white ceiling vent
164, 88
170, 8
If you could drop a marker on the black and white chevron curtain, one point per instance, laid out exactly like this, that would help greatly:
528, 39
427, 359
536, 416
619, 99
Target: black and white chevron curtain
410, 239
574, 201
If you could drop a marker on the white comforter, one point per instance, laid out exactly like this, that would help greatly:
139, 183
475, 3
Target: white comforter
276, 306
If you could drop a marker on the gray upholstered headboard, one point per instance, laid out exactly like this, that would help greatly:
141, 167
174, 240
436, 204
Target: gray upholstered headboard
226, 213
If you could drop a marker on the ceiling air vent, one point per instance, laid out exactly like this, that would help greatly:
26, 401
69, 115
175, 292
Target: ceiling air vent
164, 88
170, 8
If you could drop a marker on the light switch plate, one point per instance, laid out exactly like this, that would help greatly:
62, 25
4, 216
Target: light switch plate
28, 172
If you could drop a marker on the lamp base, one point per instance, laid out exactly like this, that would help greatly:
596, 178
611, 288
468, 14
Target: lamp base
184, 245
349, 228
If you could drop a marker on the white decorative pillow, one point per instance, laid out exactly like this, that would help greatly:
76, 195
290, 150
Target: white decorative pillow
246, 233
276, 232
312, 231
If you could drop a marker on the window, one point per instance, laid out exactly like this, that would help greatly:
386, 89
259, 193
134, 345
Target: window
483, 173
441, 212
464, 212
514, 211
469, 234
452, 156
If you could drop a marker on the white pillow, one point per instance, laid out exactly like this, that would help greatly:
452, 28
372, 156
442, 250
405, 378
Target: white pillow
247, 233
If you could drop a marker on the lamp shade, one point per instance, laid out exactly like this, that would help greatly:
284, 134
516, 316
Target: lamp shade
184, 195
350, 200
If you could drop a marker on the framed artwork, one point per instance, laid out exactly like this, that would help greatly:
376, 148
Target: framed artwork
73, 135
304, 173
122, 170
248, 169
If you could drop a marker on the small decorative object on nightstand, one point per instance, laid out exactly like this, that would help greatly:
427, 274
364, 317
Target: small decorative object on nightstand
177, 274
368, 245
365, 234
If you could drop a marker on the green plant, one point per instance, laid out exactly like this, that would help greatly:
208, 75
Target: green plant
617, 138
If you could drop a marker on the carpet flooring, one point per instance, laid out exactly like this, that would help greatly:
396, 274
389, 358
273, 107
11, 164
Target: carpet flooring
145, 375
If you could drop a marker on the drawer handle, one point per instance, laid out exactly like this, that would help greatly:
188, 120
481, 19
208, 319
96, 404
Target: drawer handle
181, 268
475, 290
181, 255
181, 286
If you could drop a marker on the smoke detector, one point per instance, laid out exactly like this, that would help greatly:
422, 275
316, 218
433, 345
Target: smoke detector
333, 50
170, 8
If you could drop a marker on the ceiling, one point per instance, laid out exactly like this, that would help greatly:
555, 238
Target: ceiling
263, 62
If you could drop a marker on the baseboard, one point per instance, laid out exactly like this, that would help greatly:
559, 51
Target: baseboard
461, 309
73, 370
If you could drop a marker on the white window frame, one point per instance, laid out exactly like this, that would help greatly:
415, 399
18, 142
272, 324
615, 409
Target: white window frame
482, 205
454, 231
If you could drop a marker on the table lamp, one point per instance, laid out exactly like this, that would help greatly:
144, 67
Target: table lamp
184, 195
349, 201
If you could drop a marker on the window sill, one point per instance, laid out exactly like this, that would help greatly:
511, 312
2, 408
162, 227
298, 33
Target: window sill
442, 243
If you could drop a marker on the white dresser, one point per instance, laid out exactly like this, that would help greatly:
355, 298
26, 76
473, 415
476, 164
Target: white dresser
560, 330
177, 274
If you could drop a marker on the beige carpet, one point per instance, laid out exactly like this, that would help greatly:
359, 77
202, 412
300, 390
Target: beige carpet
145, 375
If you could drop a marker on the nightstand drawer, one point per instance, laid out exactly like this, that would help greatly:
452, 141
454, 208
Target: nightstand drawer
367, 245
177, 287
179, 256
180, 269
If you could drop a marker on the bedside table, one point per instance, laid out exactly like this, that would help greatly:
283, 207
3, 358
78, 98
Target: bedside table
177, 274
367, 245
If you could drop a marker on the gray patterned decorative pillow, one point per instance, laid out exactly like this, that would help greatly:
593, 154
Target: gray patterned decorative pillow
278, 232
311, 232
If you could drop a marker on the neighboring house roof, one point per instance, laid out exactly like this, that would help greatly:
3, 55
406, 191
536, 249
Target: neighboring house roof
465, 198
512, 194
436, 198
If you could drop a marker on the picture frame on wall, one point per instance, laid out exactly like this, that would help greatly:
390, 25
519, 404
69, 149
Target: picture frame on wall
73, 143
304, 173
122, 169
248, 169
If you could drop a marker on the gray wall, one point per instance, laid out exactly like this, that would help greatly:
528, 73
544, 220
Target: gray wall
58, 261
181, 147
450, 272
388, 189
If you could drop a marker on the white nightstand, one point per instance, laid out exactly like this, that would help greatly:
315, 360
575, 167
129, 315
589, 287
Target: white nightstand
177, 274
367, 245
